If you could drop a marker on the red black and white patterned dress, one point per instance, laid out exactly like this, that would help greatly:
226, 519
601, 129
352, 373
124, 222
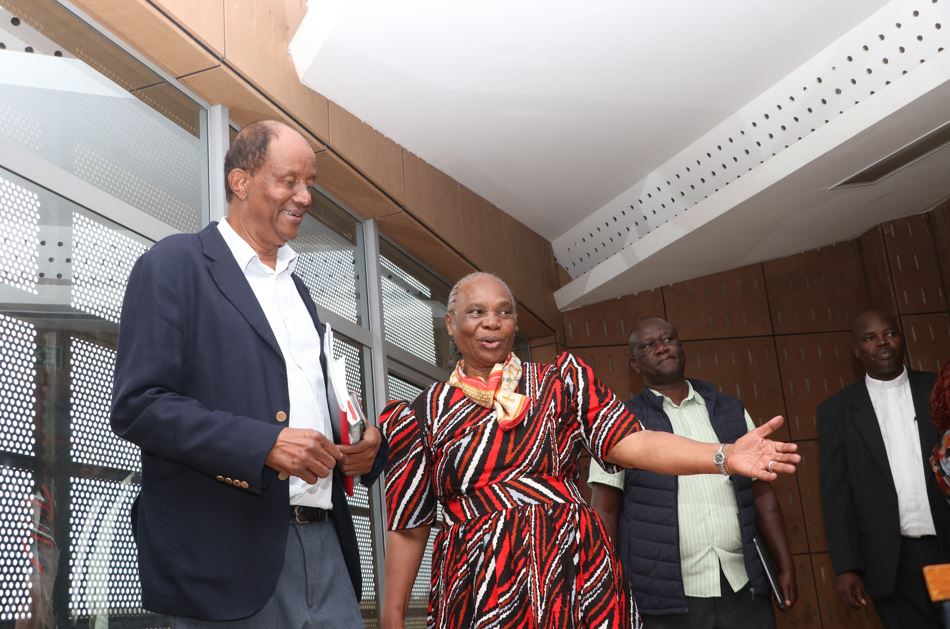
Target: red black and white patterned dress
520, 547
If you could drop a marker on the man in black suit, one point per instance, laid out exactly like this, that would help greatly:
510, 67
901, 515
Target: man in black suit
221, 378
884, 517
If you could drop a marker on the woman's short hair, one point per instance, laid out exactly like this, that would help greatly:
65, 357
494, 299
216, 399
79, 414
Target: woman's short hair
471, 277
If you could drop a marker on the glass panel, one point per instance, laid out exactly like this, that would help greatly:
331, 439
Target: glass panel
328, 262
414, 307
80, 103
66, 481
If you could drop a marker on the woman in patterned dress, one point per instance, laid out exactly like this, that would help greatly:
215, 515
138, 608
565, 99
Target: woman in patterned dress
497, 446
940, 415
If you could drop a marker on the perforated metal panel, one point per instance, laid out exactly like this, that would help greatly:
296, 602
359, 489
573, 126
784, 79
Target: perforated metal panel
19, 230
407, 312
364, 538
103, 576
15, 556
327, 265
870, 58
17, 385
399, 389
101, 262
90, 388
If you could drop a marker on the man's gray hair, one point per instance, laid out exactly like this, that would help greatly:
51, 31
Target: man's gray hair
471, 277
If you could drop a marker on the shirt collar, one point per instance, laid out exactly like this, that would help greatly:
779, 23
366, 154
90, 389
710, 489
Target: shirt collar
245, 254
886, 385
691, 395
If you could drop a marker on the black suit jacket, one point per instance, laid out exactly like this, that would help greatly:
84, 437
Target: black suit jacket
862, 523
199, 383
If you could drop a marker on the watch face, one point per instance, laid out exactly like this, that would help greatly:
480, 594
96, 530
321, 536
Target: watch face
719, 458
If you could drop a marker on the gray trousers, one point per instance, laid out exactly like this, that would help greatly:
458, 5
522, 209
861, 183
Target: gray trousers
313, 589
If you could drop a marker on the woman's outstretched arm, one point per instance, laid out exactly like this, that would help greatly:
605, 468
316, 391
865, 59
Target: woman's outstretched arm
753, 455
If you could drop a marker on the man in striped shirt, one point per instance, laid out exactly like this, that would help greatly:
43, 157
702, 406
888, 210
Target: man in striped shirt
686, 542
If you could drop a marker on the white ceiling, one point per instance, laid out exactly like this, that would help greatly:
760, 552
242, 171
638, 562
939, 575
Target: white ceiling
554, 110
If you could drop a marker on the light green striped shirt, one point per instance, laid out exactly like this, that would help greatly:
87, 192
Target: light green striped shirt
708, 514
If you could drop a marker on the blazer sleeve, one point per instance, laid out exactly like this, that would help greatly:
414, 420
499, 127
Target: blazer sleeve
148, 406
841, 527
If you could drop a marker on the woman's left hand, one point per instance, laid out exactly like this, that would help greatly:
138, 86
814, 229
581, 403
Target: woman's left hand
755, 456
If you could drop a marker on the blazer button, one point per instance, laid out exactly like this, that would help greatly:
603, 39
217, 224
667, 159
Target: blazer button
281, 416
219, 477
229, 481
244, 484
283, 476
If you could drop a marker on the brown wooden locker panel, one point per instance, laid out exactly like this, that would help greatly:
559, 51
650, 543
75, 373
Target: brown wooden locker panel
817, 291
940, 228
928, 340
913, 262
786, 490
805, 613
877, 271
745, 368
728, 304
813, 367
610, 367
809, 488
834, 613
610, 322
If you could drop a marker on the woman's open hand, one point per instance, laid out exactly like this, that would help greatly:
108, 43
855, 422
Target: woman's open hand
756, 456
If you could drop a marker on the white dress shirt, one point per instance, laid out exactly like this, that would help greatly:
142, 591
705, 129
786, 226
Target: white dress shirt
894, 407
299, 343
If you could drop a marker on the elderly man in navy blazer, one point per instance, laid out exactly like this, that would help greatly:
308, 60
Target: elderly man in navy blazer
221, 379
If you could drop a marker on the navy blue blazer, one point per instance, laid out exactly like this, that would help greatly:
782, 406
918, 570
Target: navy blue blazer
199, 384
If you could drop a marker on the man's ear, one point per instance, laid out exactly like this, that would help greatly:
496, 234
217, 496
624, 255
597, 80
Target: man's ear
238, 181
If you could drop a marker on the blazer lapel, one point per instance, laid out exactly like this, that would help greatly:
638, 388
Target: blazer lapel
233, 285
865, 422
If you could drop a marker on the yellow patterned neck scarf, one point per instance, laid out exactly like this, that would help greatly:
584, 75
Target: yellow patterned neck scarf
498, 391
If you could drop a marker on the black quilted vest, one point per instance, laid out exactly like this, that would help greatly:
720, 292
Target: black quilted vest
649, 528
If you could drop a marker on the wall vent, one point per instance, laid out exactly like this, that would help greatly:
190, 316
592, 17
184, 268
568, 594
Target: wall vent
901, 158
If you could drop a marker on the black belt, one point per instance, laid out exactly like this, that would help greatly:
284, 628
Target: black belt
306, 515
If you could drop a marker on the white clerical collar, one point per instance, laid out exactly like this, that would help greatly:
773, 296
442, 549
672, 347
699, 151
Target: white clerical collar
245, 254
886, 385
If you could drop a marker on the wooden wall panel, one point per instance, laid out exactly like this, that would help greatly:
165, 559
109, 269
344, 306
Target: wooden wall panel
610, 364
204, 20
813, 367
834, 613
610, 322
940, 228
928, 340
789, 497
369, 151
256, 34
745, 368
810, 491
805, 614
877, 272
817, 291
352, 189
913, 261
432, 197
728, 304
139, 23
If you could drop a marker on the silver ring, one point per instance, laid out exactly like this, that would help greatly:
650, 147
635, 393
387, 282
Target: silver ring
768, 467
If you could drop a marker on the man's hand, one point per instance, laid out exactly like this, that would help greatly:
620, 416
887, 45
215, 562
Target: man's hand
359, 457
757, 457
788, 587
304, 453
850, 587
